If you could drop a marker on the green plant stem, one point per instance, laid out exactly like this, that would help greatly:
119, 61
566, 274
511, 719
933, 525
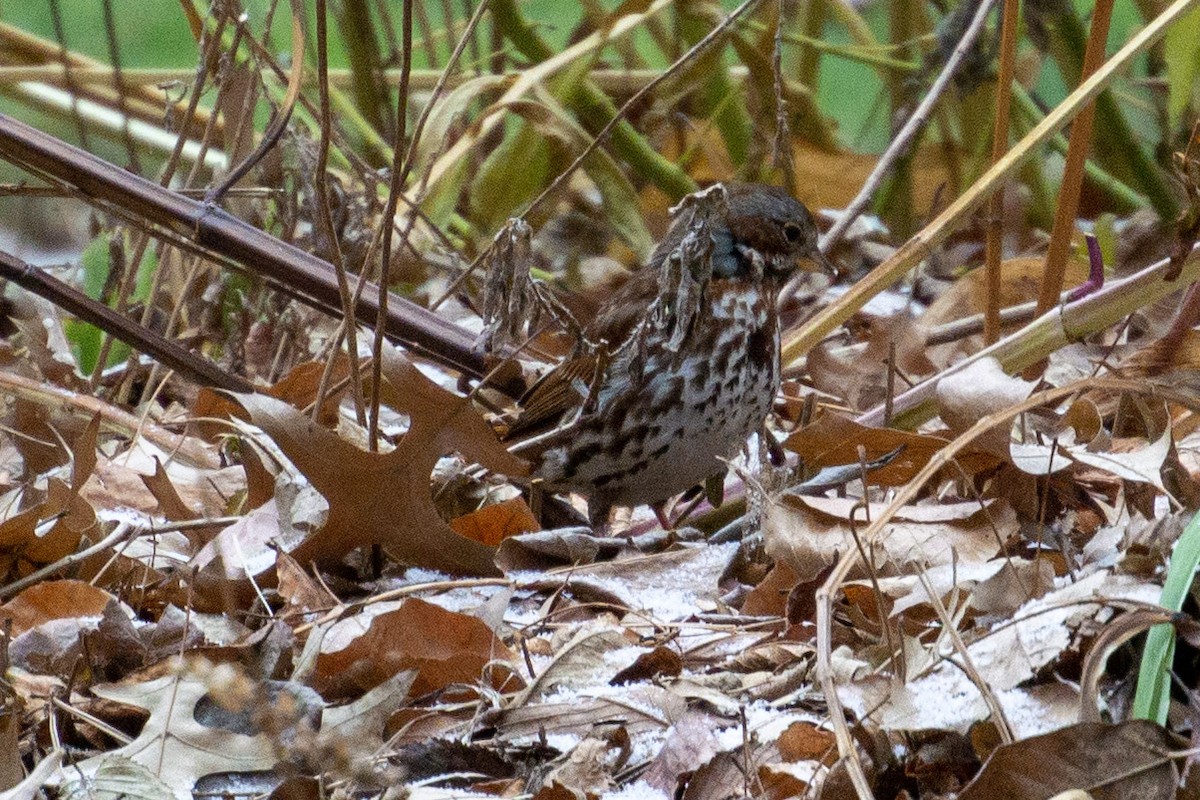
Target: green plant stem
595, 109
1124, 199
362, 51
730, 118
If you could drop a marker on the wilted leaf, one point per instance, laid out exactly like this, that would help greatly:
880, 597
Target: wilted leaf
834, 439
660, 662
860, 375
172, 745
49, 600
118, 777
807, 533
982, 388
944, 697
692, 743
669, 586
580, 663
769, 597
642, 708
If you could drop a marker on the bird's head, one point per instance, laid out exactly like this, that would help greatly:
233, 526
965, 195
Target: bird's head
769, 222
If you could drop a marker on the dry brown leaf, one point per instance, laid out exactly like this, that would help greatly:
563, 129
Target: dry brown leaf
1129, 760
721, 777
298, 388
83, 454
77, 520
587, 770
672, 585
246, 549
800, 533
969, 395
779, 783
356, 728
106, 639
170, 504
121, 482
302, 592
660, 662
172, 744
993, 586
578, 664
803, 741
834, 440
1132, 460
494, 523
642, 708
691, 744
769, 597
860, 375
441, 646
12, 771
53, 600
1020, 279
944, 697
556, 791
384, 498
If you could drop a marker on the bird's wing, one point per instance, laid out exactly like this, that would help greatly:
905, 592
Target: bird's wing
565, 388
616, 320
556, 393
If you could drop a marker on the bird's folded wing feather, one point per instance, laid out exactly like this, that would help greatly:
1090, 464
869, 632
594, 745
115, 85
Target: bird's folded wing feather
548, 401
563, 389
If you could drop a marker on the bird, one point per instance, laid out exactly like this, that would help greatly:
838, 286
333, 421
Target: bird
681, 365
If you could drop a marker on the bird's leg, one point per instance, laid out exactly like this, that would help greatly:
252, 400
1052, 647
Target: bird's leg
775, 450
536, 494
660, 511
599, 511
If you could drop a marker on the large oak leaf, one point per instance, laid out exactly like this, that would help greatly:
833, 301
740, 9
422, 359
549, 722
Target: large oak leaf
384, 498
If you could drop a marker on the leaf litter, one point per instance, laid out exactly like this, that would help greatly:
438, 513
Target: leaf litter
240, 637
629, 666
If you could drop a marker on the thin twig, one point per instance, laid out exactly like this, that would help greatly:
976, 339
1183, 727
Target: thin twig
1072, 181
995, 226
907, 135
395, 189
349, 327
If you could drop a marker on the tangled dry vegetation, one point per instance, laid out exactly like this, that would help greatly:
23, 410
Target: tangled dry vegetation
258, 536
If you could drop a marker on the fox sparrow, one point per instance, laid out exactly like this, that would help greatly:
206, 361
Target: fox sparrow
681, 363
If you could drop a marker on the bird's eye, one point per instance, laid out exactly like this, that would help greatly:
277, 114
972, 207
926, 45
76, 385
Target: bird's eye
792, 232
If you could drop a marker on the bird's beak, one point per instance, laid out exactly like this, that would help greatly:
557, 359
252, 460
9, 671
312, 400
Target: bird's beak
815, 261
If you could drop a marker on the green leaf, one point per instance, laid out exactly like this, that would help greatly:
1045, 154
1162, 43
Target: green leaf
96, 265
511, 175
1182, 46
1153, 696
